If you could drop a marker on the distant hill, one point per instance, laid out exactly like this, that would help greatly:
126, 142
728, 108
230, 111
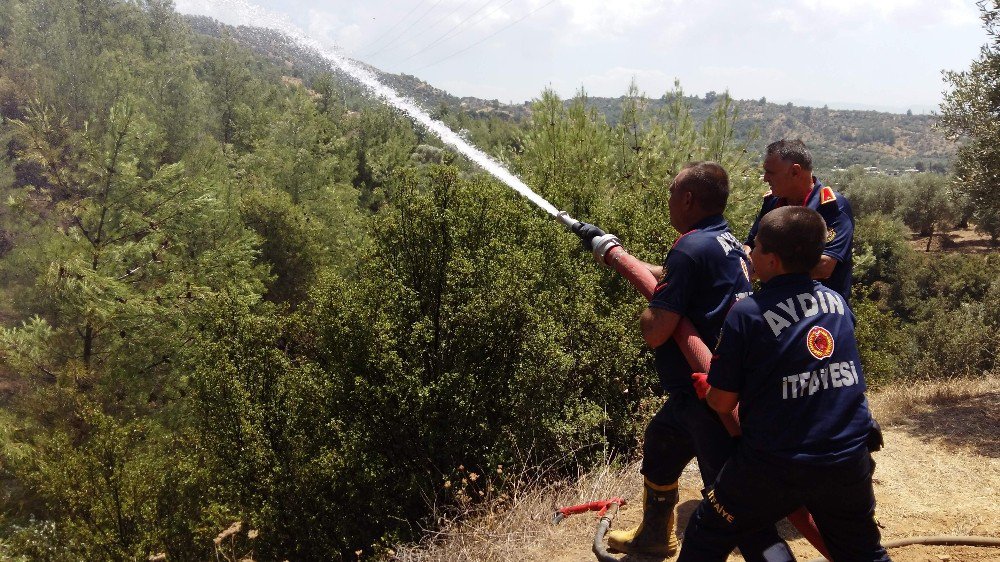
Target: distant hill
838, 138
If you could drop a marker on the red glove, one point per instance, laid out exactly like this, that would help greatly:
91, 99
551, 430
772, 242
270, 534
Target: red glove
700, 382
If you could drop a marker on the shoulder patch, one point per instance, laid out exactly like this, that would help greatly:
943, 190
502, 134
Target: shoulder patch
820, 342
826, 195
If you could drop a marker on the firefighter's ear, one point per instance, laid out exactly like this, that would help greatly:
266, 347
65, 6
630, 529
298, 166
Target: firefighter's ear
689, 201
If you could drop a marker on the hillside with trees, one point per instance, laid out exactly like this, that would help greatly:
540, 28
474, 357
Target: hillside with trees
240, 299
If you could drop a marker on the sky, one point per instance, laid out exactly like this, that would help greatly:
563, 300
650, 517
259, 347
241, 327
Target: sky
852, 54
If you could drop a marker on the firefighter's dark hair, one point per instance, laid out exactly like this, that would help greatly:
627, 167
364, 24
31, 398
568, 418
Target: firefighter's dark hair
708, 183
793, 151
796, 234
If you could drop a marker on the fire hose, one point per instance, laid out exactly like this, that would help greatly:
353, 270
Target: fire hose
609, 252
943, 540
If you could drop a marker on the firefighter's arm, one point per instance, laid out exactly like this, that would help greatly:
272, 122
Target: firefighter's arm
658, 325
729, 361
656, 270
824, 269
840, 232
722, 401
671, 298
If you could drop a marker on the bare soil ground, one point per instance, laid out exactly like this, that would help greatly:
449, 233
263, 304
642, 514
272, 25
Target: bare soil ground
939, 474
963, 240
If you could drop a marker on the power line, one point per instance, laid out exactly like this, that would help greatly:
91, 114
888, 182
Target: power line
439, 20
395, 25
448, 34
511, 24
402, 33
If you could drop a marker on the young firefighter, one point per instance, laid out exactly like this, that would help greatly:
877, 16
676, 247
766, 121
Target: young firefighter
788, 170
788, 356
704, 274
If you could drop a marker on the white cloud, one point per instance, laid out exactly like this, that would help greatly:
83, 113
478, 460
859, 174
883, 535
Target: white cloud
852, 8
350, 37
670, 32
834, 18
921, 12
759, 73
603, 17
959, 13
325, 27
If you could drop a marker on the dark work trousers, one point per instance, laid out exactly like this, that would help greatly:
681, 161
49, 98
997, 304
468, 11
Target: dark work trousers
685, 428
754, 490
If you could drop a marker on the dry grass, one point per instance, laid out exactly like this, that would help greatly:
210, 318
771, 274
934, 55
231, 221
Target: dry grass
959, 413
939, 474
520, 527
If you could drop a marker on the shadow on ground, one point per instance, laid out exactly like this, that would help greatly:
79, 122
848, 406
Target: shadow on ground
960, 421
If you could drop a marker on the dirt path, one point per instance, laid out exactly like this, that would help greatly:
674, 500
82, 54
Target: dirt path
939, 474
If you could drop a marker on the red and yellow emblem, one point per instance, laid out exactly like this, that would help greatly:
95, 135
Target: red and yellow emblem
826, 195
820, 342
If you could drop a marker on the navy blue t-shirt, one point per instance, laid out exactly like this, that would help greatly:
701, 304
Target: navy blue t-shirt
790, 353
836, 211
706, 272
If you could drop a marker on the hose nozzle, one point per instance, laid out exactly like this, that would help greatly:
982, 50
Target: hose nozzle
572, 224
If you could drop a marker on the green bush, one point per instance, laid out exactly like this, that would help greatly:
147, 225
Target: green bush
885, 348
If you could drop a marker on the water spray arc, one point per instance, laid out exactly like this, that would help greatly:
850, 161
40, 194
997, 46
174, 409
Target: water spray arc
448, 136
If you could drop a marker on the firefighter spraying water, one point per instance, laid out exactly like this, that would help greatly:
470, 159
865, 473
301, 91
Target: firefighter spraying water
607, 248
655, 533
705, 273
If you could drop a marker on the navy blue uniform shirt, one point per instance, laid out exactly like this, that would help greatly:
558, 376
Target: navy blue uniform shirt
706, 273
836, 211
790, 353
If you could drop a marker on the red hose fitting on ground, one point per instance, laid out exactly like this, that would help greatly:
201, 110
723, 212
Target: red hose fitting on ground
600, 506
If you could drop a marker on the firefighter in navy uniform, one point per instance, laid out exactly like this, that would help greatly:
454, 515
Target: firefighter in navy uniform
788, 170
703, 275
789, 357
